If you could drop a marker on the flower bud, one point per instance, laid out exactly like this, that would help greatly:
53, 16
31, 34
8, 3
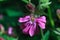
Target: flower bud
58, 13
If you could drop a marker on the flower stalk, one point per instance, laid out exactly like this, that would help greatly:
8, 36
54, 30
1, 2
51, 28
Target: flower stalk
42, 34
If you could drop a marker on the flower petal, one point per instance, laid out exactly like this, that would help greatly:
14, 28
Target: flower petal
41, 22
10, 30
25, 30
26, 18
32, 29
42, 19
42, 25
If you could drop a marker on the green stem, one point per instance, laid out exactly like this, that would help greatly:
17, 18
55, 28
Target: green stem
50, 18
42, 34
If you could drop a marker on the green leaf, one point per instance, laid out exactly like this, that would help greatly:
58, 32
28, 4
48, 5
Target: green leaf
57, 31
46, 36
44, 1
44, 4
13, 13
25, 1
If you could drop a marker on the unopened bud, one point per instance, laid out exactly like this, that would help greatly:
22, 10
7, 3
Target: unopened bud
58, 13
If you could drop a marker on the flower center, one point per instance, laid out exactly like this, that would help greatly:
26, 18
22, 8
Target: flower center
32, 18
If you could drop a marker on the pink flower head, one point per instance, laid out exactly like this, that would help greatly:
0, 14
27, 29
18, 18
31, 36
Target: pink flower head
10, 29
31, 25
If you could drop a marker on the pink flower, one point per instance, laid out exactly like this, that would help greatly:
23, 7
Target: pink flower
10, 29
30, 24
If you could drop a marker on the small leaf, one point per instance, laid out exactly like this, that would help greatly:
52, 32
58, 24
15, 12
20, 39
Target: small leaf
44, 4
25, 1
56, 32
46, 36
58, 29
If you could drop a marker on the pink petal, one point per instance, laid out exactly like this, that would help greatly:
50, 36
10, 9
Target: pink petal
32, 29
42, 25
26, 18
25, 30
10, 30
42, 19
